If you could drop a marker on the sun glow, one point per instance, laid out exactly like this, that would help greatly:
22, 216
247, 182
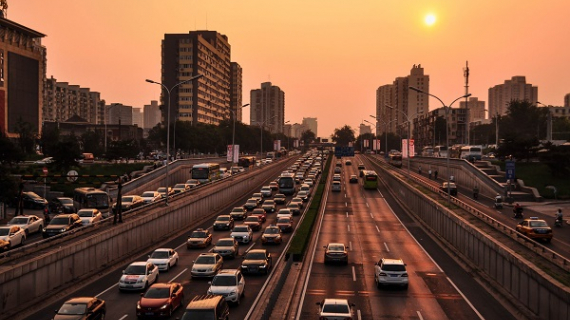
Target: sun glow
430, 19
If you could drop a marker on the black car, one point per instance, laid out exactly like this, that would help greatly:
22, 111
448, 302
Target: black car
62, 223
61, 205
257, 261
452, 188
82, 308
31, 200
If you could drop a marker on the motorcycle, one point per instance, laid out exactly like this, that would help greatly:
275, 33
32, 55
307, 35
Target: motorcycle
518, 212
558, 222
498, 203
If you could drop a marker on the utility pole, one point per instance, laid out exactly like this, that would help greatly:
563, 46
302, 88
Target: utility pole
467, 121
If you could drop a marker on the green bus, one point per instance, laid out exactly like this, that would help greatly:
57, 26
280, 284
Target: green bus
370, 179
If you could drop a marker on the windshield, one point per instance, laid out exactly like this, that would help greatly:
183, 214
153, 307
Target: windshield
179, 186
286, 182
97, 201
135, 270
393, 267
223, 219
538, 224
127, 199
224, 281
255, 256
85, 214
18, 221
157, 293
272, 231
198, 314
66, 201
225, 243
4, 231
159, 255
73, 308
148, 195
58, 221
270, 202
240, 229
200, 173
252, 219
336, 248
205, 260
335, 308
283, 220
198, 234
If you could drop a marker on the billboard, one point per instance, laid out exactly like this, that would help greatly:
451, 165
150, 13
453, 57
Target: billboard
277, 145
405, 148
235, 151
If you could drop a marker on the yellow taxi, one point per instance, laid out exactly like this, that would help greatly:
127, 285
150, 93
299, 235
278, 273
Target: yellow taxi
535, 228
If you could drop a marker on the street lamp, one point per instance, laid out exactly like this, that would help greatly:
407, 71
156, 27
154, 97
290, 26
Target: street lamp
105, 111
168, 122
385, 131
261, 125
446, 108
409, 132
284, 123
548, 122
234, 130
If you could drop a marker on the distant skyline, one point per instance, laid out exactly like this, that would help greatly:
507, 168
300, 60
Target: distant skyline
329, 57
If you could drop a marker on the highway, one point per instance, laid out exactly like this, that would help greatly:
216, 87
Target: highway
366, 222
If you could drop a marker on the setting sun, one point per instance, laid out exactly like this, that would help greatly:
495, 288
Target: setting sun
430, 19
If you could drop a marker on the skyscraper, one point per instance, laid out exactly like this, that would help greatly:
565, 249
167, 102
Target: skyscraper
138, 117
236, 90
515, 89
151, 115
310, 124
268, 107
476, 108
567, 100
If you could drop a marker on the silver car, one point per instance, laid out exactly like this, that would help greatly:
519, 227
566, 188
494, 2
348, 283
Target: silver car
228, 283
227, 247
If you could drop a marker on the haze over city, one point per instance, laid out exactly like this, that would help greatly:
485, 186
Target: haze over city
329, 57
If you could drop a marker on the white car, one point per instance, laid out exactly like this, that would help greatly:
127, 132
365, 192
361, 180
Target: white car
30, 223
335, 309
266, 191
207, 265
226, 247
181, 187
89, 216
138, 276
150, 196
229, 283
390, 272
309, 181
284, 212
47, 160
242, 233
13, 234
164, 258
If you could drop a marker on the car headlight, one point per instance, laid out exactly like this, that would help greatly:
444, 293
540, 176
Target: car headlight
209, 291
140, 280
262, 266
164, 306
210, 269
62, 230
138, 305
243, 266
44, 230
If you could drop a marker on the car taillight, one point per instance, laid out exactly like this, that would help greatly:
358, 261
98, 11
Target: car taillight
405, 275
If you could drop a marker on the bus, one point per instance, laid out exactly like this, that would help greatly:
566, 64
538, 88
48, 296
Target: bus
206, 172
92, 198
395, 159
246, 162
455, 151
370, 179
440, 151
470, 152
286, 184
427, 151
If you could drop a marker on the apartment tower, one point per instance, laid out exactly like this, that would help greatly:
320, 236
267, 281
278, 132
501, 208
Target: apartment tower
268, 107
515, 89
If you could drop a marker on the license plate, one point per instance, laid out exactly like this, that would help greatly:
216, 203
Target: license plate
129, 286
149, 313
393, 275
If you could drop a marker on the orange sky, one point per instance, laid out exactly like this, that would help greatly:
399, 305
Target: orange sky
328, 56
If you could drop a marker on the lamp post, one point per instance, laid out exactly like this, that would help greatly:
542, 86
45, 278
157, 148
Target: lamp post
234, 131
106, 133
261, 125
446, 108
409, 132
168, 122
385, 131
548, 122
284, 123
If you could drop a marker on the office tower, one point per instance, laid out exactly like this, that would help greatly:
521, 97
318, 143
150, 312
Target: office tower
476, 108
236, 90
118, 113
364, 129
567, 100
268, 107
138, 119
310, 124
151, 114
515, 89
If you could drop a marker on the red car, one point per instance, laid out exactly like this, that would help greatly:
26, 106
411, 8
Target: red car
152, 302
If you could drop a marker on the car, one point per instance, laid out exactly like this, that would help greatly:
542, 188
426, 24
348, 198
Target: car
266, 191
138, 275
347, 162
192, 183
32, 200
129, 202
390, 272
337, 170
223, 222
89, 216
226, 247
61, 224
336, 186
251, 204
47, 160
284, 212
228, 283
30, 223
199, 238
14, 235
449, 186
160, 300
254, 222
279, 198
335, 309
260, 213
61, 205
353, 178
535, 228
257, 196
4, 245
336, 252
150, 196
238, 213
304, 195
163, 190
82, 308
274, 185
180, 187
207, 265
298, 201
257, 261
336, 177
242, 233
294, 208
285, 224
272, 234
268, 206
207, 306
305, 187
309, 181
164, 258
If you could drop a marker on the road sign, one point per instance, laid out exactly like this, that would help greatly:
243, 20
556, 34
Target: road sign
344, 152
45, 170
510, 170
72, 176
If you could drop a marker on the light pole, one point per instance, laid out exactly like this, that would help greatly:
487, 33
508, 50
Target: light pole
168, 122
548, 122
409, 133
446, 108
105, 111
261, 125
385, 131
234, 131
284, 123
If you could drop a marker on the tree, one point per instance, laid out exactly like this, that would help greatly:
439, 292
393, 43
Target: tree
27, 134
49, 140
343, 136
360, 141
521, 128
9, 152
557, 158
123, 149
66, 153
307, 137
93, 142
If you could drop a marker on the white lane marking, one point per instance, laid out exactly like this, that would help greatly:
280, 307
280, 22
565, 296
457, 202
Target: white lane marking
348, 226
253, 244
371, 215
123, 317
345, 195
377, 228
386, 245
346, 204
353, 274
420, 315
111, 287
180, 246
367, 205
178, 275
347, 214
358, 314
465, 298
350, 245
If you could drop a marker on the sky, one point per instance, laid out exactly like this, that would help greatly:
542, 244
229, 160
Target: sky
328, 56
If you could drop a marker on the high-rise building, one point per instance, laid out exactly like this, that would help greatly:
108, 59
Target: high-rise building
268, 107
567, 100
384, 95
151, 114
63, 101
515, 89
118, 113
138, 118
476, 108
22, 72
310, 124
207, 99
297, 130
236, 90
364, 129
